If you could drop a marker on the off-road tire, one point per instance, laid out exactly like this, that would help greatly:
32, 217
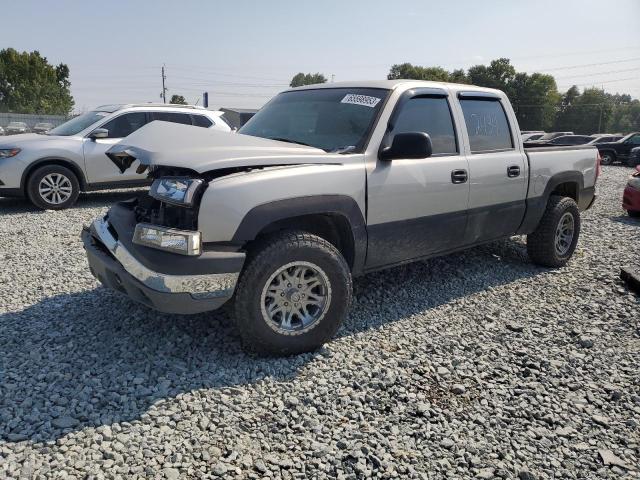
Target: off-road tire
541, 245
607, 158
263, 260
36, 177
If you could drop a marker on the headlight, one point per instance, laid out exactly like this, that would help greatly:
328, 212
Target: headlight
169, 239
9, 152
176, 190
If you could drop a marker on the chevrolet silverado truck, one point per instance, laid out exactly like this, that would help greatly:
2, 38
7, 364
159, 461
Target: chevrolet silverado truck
323, 184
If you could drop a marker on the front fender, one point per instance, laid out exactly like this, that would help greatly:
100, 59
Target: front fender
236, 207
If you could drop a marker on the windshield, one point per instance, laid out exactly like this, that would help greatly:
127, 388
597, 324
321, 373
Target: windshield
77, 124
17, 124
328, 118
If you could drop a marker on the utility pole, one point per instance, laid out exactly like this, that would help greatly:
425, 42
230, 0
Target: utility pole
164, 89
600, 118
332, 77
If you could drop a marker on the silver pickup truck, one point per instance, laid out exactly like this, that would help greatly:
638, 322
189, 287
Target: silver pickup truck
325, 183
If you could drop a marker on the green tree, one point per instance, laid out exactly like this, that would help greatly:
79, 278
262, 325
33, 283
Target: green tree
585, 113
301, 79
416, 72
535, 100
178, 100
29, 84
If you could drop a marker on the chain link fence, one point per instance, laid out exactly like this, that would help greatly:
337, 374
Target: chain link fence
31, 119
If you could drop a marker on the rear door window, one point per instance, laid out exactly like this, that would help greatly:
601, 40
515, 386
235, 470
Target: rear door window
172, 117
432, 116
487, 125
201, 121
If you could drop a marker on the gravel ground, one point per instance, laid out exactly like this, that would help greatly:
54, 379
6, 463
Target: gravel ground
475, 365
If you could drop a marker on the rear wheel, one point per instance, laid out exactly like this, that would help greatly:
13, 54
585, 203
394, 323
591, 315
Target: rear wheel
607, 158
53, 187
292, 295
555, 239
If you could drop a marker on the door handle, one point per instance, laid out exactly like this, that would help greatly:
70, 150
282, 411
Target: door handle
513, 171
459, 176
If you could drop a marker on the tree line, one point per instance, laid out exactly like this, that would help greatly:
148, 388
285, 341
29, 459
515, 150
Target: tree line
535, 97
30, 84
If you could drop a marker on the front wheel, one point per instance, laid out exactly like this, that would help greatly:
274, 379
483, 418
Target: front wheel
292, 295
556, 238
607, 158
53, 187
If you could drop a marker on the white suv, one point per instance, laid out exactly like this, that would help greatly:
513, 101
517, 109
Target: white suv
51, 170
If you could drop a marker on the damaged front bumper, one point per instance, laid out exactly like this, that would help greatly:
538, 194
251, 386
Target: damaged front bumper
164, 281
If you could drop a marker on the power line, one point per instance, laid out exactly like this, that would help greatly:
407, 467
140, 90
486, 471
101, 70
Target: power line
598, 73
589, 65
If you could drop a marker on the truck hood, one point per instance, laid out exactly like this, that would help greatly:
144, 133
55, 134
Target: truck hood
202, 150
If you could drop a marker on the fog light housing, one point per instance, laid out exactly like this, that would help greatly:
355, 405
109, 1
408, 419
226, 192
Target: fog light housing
184, 242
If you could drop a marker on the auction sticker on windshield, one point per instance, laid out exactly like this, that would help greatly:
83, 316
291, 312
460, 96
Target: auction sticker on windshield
363, 100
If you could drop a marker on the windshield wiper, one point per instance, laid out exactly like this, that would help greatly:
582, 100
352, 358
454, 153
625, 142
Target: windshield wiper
288, 140
343, 150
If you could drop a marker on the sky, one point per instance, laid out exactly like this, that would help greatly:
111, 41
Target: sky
243, 52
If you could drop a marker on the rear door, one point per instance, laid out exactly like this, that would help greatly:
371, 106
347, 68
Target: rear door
418, 207
99, 167
498, 168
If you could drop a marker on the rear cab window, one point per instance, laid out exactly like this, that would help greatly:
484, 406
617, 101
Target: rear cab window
487, 125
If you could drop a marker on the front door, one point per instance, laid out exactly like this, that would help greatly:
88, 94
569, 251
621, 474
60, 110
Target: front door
417, 207
99, 167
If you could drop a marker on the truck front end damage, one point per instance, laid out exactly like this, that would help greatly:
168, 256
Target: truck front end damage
151, 250
159, 276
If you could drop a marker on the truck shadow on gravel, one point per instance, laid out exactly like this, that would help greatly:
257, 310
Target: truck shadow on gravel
95, 358
16, 206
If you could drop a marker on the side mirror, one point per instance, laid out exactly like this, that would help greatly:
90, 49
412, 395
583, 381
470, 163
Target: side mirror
99, 133
408, 145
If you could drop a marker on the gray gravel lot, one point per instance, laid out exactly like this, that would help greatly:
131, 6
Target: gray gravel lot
475, 365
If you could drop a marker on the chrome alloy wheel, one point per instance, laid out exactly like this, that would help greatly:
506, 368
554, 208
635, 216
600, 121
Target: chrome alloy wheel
55, 188
564, 234
295, 298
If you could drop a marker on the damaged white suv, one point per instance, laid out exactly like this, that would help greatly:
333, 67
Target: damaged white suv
52, 169
323, 184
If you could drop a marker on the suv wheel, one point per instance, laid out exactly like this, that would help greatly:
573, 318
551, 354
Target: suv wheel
292, 295
555, 239
607, 158
53, 187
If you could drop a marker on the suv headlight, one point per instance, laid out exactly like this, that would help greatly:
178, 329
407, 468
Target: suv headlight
170, 239
9, 152
176, 190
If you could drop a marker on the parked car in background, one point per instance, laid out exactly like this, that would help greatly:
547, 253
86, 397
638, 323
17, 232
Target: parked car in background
619, 151
570, 140
634, 157
42, 127
51, 170
631, 195
549, 136
282, 215
15, 128
2, 131
603, 138
529, 137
